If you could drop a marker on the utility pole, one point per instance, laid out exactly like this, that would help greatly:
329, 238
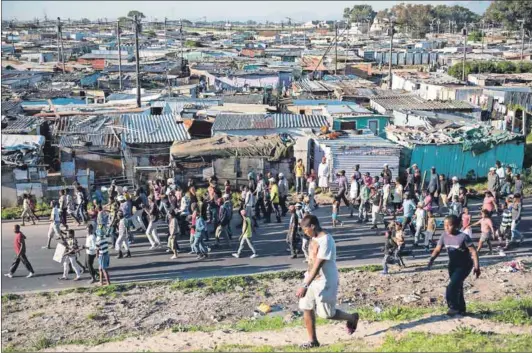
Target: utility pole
137, 59
60, 43
464, 33
336, 48
522, 37
165, 35
119, 54
482, 35
391, 33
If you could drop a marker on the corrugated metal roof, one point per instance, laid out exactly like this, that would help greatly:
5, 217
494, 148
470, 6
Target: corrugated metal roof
307, 85
283, 121
78, 131
414, 102
153, 129
21, 125
226, 122
14, 140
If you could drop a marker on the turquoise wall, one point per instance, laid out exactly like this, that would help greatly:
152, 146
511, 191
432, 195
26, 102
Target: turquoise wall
452, 161
363, 122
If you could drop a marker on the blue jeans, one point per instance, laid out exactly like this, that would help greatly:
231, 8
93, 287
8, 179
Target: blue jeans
516, 234
300, 184
198, 246
506, 189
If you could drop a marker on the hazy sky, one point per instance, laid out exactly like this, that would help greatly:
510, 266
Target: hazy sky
194, 10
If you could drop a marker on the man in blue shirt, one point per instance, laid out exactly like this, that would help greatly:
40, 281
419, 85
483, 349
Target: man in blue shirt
409, 207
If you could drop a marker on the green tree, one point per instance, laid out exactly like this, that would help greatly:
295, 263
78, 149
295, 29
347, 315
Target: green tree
359, 13
508, 12
85, 21
132, 14
475, 36
456, 13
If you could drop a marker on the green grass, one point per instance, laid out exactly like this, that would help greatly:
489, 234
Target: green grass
192, 328
457, 342
411, 342
42, 343
42, 209
509, 310
10, 297
397, 313
36, 314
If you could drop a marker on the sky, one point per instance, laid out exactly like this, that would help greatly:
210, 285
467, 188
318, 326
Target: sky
194, 10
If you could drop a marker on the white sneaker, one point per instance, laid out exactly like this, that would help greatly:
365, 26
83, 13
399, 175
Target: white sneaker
253, 256
234, 255
152, 247
173, 257
30, 275
9, 275
502, 253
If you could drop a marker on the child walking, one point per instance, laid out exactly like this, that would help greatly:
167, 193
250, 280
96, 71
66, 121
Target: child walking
102, 249
466, 222
334, 215
486, 230
420, 222
430, 232
172, 235
69, 257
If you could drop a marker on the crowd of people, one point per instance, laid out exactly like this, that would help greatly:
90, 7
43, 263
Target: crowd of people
405, 206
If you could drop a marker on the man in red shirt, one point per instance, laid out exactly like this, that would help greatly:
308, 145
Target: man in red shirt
20, 251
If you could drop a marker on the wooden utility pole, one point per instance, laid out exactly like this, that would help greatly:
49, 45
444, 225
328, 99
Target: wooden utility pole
464, 33
392, 32
119, 54
60, 43
137, 59
165, 35
522, 38
335, 47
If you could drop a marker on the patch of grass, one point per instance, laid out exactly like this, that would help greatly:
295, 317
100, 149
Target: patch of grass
42, 343
365, 268
36, 314
266, 323
192, 328
66, 291
215, 284
508, 310
411, 342
10, 297
96, 316
456, 342
397, 313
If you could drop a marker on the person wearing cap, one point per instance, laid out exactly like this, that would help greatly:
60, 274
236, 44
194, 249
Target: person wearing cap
494, 182
283, 194
274, 194
299, 171
323, 175
455, 188
386, 173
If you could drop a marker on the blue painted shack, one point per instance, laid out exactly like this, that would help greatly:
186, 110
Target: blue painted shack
466, 151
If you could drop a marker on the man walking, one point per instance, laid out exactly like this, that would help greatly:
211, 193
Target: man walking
245, 237
319, 290
26, 210
434, 186
323, 175
20, 254
283, 194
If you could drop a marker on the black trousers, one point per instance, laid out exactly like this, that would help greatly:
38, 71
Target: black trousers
282, 203
259, 207
89, 263
341, 196
277, 212
454, 294
20, 257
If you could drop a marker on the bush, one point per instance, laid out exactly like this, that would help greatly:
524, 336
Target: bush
42, 209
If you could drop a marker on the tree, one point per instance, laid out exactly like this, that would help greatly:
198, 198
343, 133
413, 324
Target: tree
414, 17
456, 13
475, 36
85, 21
508, 12
359, 13
132, 13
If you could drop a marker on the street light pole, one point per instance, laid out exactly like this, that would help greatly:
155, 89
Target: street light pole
119, 54
137, 58
464, 33
522, 37
482, 34
392, 30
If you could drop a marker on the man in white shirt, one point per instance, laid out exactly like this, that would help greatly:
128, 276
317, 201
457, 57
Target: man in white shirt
319, 290
283, 194
455, 189
499, 170
55, 221
323, 175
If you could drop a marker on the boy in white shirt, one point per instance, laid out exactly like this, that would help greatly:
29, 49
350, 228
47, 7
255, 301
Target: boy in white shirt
420, 222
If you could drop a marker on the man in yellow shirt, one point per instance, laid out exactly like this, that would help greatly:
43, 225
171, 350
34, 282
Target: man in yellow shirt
300, 176
274, 194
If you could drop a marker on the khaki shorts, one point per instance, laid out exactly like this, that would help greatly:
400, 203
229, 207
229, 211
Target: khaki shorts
313, 301
485, 237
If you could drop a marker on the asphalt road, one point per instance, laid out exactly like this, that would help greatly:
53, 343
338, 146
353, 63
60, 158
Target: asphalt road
356, 245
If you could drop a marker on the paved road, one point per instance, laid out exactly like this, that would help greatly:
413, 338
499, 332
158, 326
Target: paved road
356, 245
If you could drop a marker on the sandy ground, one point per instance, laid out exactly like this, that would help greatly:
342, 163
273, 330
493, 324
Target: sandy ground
150, 311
